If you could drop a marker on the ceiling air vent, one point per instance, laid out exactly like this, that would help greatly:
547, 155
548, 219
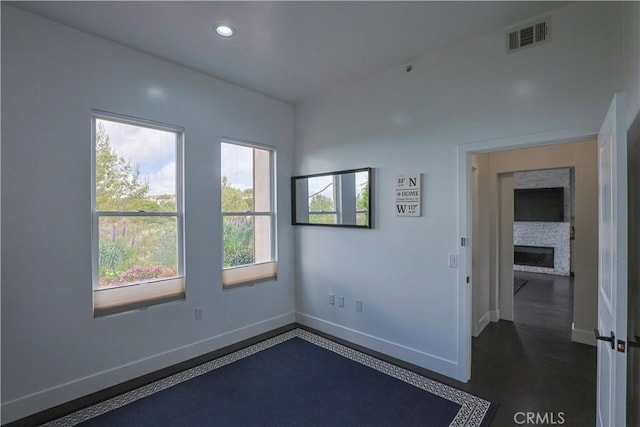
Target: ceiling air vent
529, 35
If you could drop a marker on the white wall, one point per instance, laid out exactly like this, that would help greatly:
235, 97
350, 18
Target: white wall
402, 122
53, 350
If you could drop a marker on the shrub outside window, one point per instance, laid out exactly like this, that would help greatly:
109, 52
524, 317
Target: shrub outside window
137, 213
248, 217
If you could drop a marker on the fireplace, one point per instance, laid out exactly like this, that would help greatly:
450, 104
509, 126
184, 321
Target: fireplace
536, 256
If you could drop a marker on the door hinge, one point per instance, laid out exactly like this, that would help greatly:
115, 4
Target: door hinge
467, 279
464, 241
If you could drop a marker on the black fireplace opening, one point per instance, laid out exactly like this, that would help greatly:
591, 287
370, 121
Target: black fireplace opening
535, 256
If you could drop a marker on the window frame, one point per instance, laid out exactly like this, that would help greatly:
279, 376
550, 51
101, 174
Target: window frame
132, 296
249, 274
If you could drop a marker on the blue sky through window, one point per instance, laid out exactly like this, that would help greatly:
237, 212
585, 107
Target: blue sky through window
237, 165
152, 149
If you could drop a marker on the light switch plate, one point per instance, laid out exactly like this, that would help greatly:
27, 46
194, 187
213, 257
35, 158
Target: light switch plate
453, 260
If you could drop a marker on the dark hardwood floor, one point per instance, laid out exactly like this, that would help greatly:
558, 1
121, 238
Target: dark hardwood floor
531, 365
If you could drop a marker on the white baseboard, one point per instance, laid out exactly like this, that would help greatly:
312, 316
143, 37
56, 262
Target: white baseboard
494, 315
48, 398
381, 345
583, 337
482, 323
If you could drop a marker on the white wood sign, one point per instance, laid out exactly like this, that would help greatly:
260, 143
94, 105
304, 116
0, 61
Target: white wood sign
408, 194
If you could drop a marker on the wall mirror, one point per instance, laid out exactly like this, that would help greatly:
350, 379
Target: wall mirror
337, 199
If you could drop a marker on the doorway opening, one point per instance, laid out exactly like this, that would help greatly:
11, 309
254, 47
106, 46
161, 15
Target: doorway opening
534, 334
534, 210
543, 224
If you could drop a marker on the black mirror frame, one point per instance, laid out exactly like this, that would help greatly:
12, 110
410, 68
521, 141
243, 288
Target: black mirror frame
341, 172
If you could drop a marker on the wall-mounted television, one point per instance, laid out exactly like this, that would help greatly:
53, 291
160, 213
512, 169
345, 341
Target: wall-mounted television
539, 204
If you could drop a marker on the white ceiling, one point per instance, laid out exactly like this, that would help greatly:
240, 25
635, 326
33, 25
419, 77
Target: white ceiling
289, 50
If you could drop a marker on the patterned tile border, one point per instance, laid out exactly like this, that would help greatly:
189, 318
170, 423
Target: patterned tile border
472, 408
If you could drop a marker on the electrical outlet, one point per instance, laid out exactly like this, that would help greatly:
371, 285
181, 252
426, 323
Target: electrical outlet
198, 313
332, 299
358, 305
341, 301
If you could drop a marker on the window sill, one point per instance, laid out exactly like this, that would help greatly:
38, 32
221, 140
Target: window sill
249, 274
127, 298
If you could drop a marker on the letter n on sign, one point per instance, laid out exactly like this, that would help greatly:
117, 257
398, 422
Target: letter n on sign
408, 194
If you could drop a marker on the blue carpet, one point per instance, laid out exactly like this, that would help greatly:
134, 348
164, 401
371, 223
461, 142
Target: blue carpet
292, 382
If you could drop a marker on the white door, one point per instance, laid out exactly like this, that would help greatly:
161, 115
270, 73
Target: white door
612, 267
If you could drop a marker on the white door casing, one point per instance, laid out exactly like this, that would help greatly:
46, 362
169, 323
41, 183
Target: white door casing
612, 267
472, 263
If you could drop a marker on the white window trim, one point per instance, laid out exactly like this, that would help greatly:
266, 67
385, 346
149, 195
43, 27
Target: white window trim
133, 296
259, 272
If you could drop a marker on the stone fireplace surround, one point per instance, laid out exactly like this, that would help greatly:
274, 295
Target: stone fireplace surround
554, 235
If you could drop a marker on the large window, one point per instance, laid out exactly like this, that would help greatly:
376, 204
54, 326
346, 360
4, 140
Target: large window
248, 217
137, 213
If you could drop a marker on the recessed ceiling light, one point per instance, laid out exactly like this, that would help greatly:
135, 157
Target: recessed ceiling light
225, 30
